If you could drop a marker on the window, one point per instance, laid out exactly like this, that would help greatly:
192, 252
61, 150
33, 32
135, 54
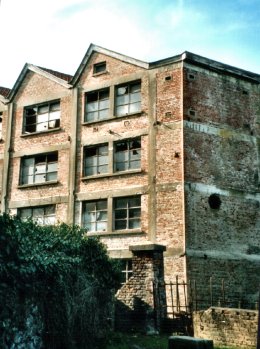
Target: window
97, 105
39, 169
127, 155
128, 98
94, 217
126, 268
99, 68
112, 214
43, 215
95, 160
127, 213
42, 117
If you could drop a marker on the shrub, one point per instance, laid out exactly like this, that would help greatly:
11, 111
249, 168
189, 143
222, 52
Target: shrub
55, 286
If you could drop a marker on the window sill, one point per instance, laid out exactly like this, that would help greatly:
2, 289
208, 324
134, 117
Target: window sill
101, 73
22, 186
115, 174
116, 232
87, 123
41, 132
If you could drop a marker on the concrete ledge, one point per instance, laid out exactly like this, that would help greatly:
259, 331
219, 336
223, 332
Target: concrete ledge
185, 342
147, 247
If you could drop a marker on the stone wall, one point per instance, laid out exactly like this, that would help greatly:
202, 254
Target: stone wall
225, 326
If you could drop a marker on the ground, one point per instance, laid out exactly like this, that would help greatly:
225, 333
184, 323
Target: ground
138, 341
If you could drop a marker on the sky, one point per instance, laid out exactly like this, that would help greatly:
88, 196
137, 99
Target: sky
56, 34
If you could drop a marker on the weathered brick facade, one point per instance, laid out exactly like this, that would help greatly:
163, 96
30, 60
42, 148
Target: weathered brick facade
197, 176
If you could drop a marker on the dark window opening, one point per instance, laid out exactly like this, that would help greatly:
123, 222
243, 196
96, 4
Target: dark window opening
99, 67
214, 201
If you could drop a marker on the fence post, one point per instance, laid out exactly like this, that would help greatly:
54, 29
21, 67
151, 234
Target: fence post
211, 291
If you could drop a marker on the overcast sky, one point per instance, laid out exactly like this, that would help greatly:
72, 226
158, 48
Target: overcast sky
56, 33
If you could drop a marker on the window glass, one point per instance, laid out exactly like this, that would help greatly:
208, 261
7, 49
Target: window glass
95, 160
97, 105
127, 213
128, 99
41, 117
95, 215
127, 155
43, 215
39, 169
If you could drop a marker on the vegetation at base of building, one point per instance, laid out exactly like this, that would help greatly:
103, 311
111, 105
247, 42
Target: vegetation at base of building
55, 287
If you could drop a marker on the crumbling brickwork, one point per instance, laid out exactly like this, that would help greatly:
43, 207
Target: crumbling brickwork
228, 327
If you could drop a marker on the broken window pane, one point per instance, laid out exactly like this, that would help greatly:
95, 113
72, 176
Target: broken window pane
128, 99
40, 118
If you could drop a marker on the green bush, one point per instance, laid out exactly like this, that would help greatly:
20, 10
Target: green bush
55, 286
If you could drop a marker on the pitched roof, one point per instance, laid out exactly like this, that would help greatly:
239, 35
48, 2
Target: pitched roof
94, 48
58, 74
60, 78
4, 91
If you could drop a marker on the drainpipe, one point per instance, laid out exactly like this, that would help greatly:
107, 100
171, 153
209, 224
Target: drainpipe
73, 157
6, 163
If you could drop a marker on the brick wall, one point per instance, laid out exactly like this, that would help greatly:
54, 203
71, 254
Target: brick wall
136, 299
229, 327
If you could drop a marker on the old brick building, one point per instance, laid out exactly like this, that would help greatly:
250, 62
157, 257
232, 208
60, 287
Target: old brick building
142, 153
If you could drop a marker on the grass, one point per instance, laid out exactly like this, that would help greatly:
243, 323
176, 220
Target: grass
132, 341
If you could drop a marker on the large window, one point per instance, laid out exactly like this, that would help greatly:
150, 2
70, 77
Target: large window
39, 169
113, 214
127, 154
127, 213
95, 160
41, 117
43, 215
94, 216
128, 98
97, 105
